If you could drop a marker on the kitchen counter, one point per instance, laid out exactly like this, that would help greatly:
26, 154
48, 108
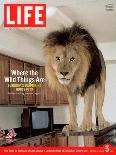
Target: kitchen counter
96, 132
18, 141
72, 138
96, 137
21, 137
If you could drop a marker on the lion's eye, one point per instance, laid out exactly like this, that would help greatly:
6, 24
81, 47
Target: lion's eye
72, 59
58, 58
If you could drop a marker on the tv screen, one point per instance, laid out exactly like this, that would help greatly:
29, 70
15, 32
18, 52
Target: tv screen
40, 119
36, 120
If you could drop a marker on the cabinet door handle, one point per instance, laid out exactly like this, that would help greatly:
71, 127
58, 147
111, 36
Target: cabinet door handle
45, 141
28, 144
35, 144
40, 141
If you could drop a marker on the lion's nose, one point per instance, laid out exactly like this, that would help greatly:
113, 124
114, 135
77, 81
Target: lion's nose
64, 73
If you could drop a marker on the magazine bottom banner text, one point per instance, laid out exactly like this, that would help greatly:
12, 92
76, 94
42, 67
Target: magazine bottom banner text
106, 149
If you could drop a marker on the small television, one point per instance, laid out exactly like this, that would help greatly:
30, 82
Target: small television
35, 121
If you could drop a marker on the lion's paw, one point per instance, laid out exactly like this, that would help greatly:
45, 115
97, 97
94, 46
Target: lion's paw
103, 123
70, 127
87, 126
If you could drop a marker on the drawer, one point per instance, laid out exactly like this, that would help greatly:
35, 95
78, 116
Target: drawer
46, 140
21, 144
36, 142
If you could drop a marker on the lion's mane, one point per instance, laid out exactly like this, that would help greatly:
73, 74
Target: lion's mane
80, 39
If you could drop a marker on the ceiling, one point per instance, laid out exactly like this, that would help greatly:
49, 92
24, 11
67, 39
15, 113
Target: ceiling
95, 15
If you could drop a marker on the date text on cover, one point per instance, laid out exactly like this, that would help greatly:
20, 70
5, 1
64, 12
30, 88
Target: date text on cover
24, 15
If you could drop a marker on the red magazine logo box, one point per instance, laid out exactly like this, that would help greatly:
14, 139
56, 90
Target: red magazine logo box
24, 15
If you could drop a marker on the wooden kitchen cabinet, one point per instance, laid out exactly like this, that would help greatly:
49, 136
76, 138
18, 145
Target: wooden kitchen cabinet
16, 95
39, 94
49, 96
34, 142
46, 140
43, 140
60, 140
4, 72
62, 98
29, 91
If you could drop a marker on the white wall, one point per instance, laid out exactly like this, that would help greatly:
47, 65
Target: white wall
110, 96
108, 49
10, 117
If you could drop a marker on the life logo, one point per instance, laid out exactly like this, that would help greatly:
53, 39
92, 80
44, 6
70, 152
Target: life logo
25, 15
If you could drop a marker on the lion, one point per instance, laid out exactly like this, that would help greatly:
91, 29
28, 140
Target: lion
74, 64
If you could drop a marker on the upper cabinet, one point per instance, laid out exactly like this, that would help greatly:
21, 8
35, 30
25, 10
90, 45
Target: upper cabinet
16, 95
4, 72
39, 86
30, 89
19, 88
62, 98
49, 96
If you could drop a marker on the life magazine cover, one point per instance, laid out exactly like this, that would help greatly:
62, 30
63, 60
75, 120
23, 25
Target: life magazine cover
58, 73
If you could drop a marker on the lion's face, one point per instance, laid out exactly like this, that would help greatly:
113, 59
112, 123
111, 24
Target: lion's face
65, 62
